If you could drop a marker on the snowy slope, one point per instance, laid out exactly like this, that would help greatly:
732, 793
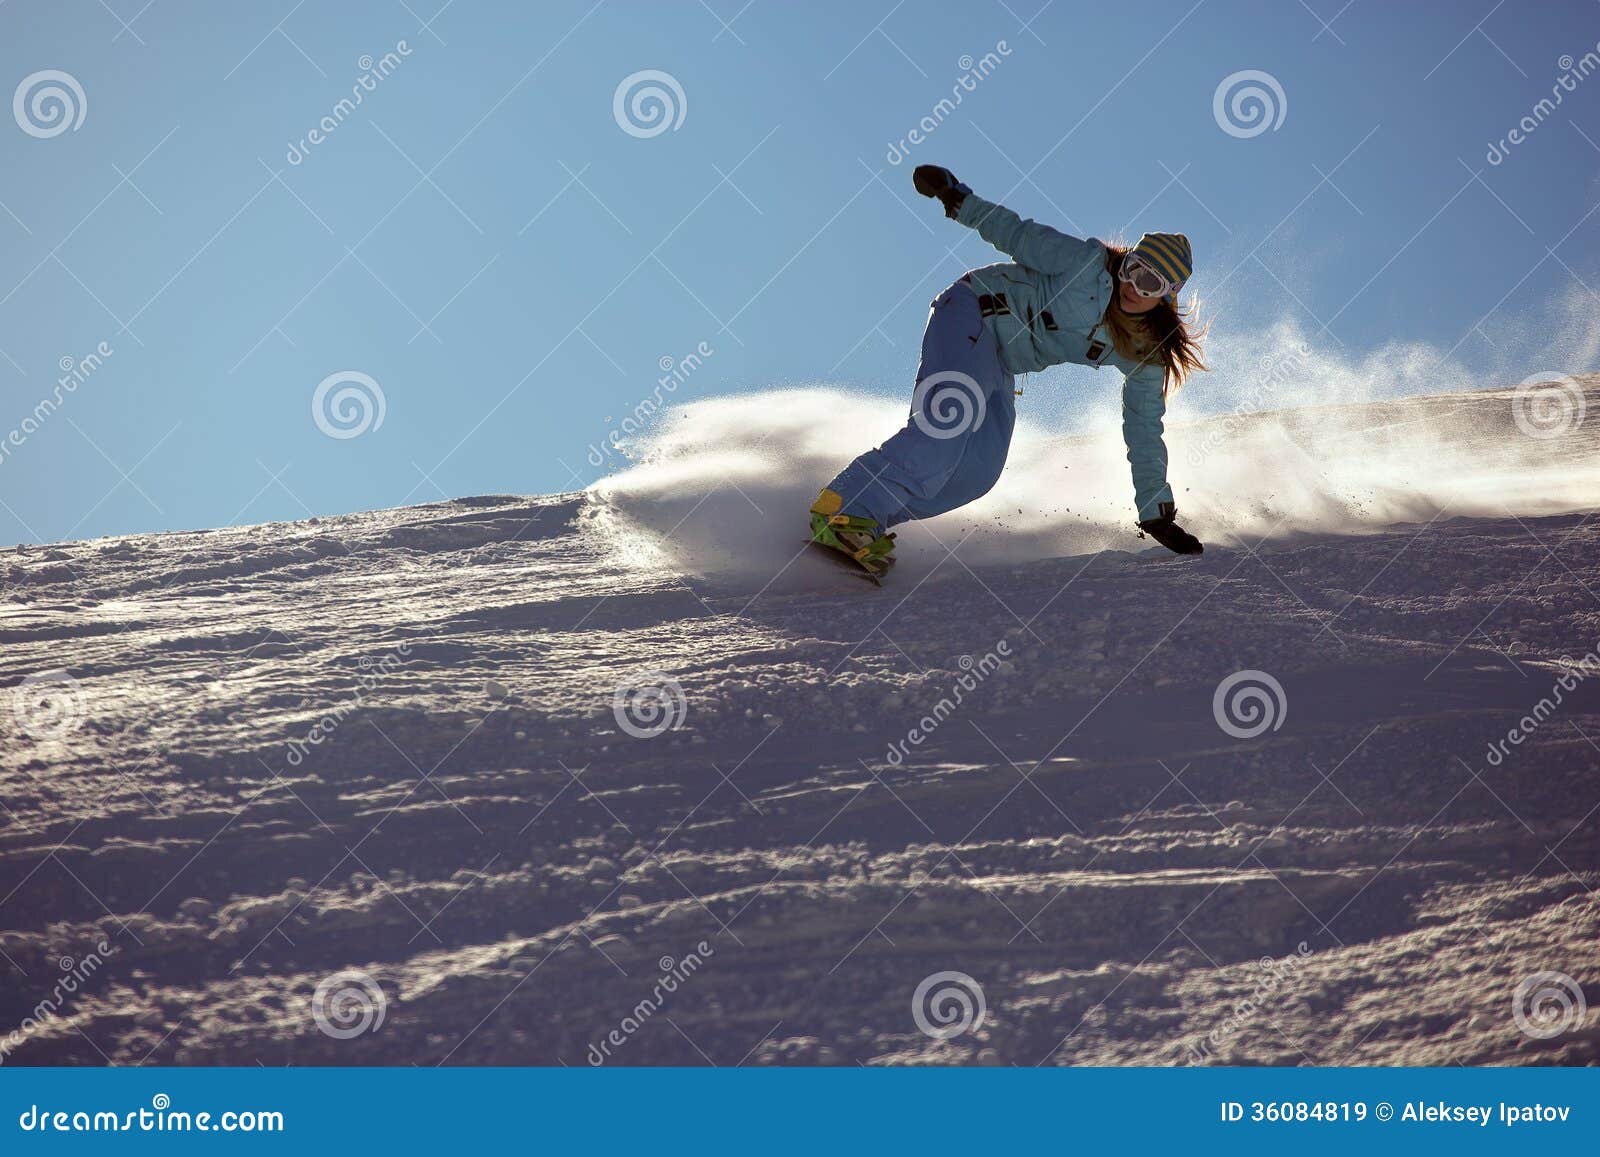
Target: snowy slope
249, 761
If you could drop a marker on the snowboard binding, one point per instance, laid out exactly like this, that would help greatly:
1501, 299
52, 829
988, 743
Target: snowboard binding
849, 538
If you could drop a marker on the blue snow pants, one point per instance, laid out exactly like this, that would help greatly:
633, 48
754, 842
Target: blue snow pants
954, 443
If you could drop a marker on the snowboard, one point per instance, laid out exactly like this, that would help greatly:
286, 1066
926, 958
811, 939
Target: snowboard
860, 570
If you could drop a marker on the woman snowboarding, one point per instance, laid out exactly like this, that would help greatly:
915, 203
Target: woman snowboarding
1060, 299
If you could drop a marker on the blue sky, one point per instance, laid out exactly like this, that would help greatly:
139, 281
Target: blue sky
510, 268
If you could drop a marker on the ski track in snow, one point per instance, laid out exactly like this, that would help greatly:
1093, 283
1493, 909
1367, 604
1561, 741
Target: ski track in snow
474, 831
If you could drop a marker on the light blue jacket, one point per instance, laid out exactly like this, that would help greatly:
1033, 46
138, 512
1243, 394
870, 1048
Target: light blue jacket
1056, 292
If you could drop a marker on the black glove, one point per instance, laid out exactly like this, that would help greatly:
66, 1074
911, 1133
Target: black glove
933, 181
1169, 534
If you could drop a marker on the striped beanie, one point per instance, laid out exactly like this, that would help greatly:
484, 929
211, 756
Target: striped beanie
1170, 253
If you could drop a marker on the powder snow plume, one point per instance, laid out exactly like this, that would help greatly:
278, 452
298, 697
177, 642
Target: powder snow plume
721, 486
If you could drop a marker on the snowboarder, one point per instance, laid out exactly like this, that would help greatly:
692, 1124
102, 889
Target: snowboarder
1061, 299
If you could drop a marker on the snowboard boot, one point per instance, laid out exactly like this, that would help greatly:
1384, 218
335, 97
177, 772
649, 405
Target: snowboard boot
858, 539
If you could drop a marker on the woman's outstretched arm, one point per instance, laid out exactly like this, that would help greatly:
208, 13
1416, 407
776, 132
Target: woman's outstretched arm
1143, 407
1028, 242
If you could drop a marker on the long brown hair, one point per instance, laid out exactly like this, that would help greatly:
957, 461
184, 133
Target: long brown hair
1162, 335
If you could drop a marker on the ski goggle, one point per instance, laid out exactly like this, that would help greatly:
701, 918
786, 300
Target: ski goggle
1146, 279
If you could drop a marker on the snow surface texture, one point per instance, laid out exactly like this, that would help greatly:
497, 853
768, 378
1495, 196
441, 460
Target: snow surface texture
363, 790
